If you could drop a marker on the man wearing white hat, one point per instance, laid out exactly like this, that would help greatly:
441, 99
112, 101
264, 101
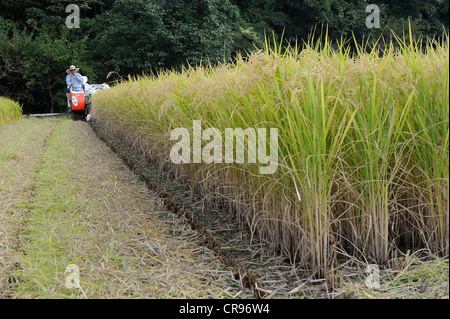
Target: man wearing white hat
74, 81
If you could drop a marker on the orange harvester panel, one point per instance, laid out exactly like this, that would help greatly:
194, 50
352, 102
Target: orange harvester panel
77, 101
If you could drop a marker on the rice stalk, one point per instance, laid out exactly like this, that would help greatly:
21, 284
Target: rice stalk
9, 110
363, 144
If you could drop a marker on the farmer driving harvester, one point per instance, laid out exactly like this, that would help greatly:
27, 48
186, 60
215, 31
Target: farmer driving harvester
78, 94
74, 82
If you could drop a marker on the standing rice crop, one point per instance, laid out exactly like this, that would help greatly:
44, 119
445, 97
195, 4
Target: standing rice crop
9, 110
363, 144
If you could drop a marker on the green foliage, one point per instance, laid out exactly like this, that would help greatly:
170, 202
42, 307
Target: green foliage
147, 36
344, 18
144, 36
32, 66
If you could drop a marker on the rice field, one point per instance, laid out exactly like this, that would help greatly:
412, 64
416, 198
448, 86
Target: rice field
9, 110
362, 144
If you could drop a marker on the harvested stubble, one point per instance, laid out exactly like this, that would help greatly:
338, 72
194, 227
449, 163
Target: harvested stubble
363, 144
9, 110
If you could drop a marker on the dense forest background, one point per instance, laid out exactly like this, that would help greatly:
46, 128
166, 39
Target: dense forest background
132, 37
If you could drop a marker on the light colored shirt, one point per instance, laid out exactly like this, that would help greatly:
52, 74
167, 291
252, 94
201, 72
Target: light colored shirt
75, 81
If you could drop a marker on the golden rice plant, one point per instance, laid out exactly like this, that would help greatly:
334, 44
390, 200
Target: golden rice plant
9, 110
363, 144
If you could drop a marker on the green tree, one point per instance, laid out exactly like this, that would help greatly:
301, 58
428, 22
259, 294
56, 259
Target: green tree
145, 36
32, 67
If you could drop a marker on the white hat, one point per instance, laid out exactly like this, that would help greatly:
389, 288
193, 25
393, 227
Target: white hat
72, 67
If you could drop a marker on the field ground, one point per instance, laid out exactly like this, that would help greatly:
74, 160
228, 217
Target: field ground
66, 198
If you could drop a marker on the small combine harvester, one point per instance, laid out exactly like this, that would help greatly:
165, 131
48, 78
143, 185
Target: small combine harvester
80, 102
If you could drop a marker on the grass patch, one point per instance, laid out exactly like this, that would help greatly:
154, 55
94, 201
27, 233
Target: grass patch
88, 209
21, 148
409, 277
